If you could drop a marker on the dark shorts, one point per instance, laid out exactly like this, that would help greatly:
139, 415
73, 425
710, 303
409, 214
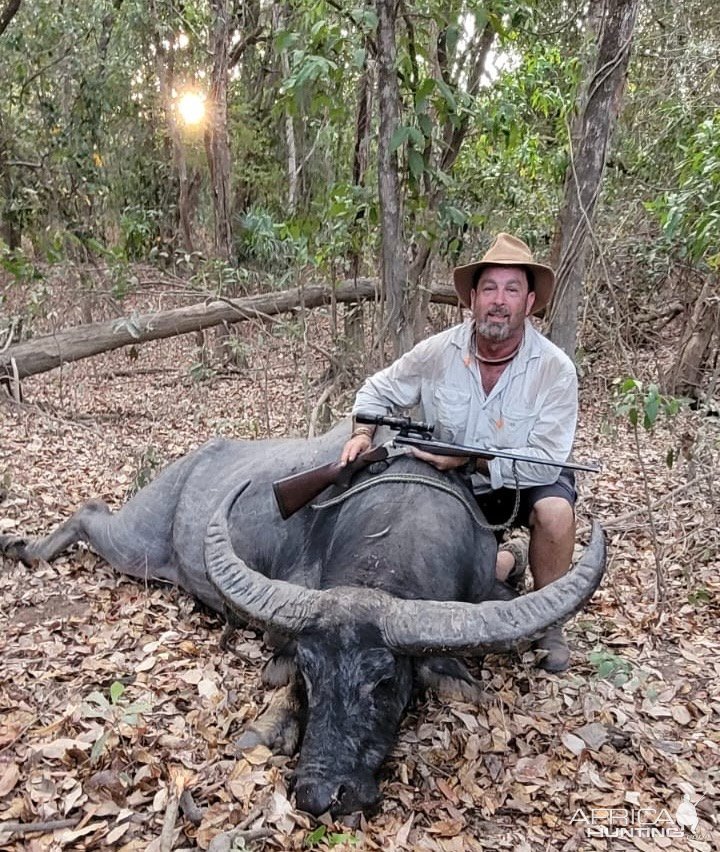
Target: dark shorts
497, 506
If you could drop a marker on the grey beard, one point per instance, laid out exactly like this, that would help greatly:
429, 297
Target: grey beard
494, 331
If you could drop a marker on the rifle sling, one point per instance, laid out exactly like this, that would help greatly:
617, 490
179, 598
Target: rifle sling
431, 482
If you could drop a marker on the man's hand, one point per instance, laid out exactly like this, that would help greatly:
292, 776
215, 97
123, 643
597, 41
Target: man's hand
354, 447
440, 462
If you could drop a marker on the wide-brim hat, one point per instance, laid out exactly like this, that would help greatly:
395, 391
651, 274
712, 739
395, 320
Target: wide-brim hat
507, 251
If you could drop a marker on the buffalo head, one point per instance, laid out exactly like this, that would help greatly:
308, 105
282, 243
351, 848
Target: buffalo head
355, 649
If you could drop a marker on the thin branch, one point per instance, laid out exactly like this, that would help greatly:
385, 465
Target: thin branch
23, 164
41, 827
253, 37
42, 70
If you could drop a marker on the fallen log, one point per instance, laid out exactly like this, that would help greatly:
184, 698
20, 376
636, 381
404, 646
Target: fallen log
72, 344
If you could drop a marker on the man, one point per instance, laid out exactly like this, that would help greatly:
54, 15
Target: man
496, 382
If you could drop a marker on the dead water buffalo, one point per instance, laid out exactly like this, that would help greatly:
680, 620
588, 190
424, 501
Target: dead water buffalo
365, 596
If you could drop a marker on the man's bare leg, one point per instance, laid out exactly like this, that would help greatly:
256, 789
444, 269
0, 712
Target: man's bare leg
552, 539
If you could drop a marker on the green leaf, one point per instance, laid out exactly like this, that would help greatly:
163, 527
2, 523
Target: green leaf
416, 138
98, 699
425, 124
652, 407
447, 95
425, 88
116, 690
416, 163
400, 137
316, 836
99, 747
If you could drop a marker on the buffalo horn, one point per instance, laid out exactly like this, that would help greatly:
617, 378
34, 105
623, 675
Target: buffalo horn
420, 627
288, 607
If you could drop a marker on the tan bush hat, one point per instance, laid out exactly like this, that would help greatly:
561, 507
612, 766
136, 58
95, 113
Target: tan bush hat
507, 251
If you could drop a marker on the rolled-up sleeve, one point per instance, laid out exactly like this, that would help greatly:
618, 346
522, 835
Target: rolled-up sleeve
399, 385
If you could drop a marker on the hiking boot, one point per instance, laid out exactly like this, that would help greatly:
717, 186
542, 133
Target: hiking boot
554, 653
518, 547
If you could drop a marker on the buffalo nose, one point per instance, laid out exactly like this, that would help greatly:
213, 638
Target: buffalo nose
316, 797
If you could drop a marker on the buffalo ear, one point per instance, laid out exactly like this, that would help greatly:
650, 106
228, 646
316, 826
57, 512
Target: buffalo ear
450, 679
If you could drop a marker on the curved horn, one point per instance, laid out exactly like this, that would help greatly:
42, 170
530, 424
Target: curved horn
431, 627
286, 606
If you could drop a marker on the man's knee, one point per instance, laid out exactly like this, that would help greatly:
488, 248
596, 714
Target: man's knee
554, 515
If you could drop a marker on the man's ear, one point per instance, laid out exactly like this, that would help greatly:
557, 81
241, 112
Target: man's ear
473, 293
529, 303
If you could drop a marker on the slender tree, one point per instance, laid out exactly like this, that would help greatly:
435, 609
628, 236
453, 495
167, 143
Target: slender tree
217, 141
598, 109
389, 191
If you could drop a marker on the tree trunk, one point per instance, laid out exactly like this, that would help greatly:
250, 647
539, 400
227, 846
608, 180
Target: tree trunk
292, 160
216, 138
590, 141
10, 229
397, 322
696, 348
453, 135
354, 333
8, 13
45, 353
165, 70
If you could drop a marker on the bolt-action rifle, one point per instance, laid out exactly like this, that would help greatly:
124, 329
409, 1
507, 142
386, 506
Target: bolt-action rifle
295, 491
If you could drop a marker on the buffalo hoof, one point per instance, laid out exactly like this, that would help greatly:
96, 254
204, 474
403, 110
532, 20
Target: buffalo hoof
279, 740
450, 679
14, 547
278, 728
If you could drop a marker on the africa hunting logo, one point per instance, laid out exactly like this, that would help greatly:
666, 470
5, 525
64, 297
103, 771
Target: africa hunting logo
640, 822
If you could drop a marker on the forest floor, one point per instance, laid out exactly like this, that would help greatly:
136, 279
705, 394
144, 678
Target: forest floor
116, 697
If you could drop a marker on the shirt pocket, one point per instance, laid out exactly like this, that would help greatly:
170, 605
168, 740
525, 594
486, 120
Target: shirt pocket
452, 408
516, 428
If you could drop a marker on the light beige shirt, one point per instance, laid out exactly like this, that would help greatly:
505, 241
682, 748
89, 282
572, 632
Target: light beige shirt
531, 409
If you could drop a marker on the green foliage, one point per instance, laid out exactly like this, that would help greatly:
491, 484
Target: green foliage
266, 243
611, 667
147, 465
512, 172
642, 405
690, 214
347, 221
16, 263
200, 372
700, 596
321, 835
119, 715
139, 231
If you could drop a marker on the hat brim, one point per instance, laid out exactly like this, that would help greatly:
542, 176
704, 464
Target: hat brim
544, 279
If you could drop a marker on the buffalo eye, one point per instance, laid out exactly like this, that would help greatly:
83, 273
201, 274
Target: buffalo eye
385, 685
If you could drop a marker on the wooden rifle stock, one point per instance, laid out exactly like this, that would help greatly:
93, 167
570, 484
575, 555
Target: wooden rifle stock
295, 491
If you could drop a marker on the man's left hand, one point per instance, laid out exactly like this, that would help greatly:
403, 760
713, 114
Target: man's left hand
440, 462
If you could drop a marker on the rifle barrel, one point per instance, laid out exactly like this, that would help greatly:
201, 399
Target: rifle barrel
441, 448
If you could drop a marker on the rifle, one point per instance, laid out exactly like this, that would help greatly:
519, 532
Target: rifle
295, 491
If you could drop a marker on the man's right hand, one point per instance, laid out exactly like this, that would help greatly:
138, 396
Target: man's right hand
354, 447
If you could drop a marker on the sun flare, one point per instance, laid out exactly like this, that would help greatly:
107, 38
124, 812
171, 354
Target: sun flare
191, 106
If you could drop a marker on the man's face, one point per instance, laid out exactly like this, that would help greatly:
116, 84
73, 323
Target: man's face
500, 302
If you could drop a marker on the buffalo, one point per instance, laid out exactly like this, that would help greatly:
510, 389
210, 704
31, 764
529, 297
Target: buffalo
380, 589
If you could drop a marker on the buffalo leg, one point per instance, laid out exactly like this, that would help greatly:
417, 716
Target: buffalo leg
450, 679
278, 726
130, 550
